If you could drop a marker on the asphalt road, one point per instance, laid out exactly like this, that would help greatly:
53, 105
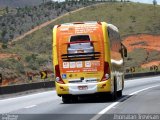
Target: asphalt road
140, 96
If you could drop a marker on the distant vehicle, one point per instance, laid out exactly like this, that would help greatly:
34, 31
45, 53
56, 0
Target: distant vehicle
88, 58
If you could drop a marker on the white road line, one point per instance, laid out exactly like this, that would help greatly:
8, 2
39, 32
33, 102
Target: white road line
141, 79
143, 89
19, 97
31, 106
96, 117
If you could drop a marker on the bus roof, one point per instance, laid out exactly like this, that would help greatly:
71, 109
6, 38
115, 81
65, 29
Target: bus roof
111, 26
76, 23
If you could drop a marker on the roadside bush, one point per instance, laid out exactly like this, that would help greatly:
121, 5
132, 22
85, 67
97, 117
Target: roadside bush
33, 65
4, 46
31, 57
20, 68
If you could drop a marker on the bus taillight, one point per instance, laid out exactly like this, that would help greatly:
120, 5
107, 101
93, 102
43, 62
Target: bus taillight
106, 74
58, 75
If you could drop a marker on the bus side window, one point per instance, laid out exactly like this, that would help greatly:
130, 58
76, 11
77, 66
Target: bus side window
114, 38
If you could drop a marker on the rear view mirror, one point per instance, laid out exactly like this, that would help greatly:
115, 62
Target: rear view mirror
123, 50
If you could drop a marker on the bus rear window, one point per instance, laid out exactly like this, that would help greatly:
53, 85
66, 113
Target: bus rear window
80, 38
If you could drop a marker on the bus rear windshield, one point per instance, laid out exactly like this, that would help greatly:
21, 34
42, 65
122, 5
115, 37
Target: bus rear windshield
79, 38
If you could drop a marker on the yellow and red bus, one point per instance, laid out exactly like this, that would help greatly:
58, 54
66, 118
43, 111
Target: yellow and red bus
88, 58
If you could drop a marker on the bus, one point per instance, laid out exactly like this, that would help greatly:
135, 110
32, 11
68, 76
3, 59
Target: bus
88, 59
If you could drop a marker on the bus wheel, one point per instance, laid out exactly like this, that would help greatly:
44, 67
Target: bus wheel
75, 99
66, 99
119, 93
114, 94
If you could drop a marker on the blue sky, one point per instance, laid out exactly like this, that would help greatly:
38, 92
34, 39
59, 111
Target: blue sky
142, 1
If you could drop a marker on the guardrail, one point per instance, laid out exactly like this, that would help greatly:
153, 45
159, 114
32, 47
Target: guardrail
137, 75
25, 87
50, 84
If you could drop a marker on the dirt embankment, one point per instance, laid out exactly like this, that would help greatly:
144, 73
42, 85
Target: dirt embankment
7, 55
149, 64
148, 42
145, 41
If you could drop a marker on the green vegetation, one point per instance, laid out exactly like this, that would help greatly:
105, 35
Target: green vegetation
2, 11
123, 15
4, 45
21, 20
136, 58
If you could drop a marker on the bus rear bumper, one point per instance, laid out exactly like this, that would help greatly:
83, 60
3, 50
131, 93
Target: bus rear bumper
80, 89
83, 88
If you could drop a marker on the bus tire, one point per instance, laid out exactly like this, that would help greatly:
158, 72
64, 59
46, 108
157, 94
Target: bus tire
114, 94
119, 93
74, 99
66, 99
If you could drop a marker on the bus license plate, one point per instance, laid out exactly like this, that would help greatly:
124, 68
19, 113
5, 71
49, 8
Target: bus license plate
82, 87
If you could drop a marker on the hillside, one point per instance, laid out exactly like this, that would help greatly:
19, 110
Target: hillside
17, 21
143, 50
35, 50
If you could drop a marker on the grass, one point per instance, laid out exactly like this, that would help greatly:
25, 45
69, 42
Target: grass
130, 18
2, 11
136, 58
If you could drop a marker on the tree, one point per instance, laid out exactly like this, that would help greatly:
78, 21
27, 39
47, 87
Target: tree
3, 33
154, 2
4, 46
7, 9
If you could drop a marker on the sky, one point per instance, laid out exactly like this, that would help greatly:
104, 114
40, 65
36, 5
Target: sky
142, 1
146, 1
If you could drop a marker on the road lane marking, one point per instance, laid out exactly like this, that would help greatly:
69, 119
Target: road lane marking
31, 106
141, 79
24, 96
136, 92
96, 117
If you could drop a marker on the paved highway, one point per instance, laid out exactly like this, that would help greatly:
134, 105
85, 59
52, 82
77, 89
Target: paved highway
139, 96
